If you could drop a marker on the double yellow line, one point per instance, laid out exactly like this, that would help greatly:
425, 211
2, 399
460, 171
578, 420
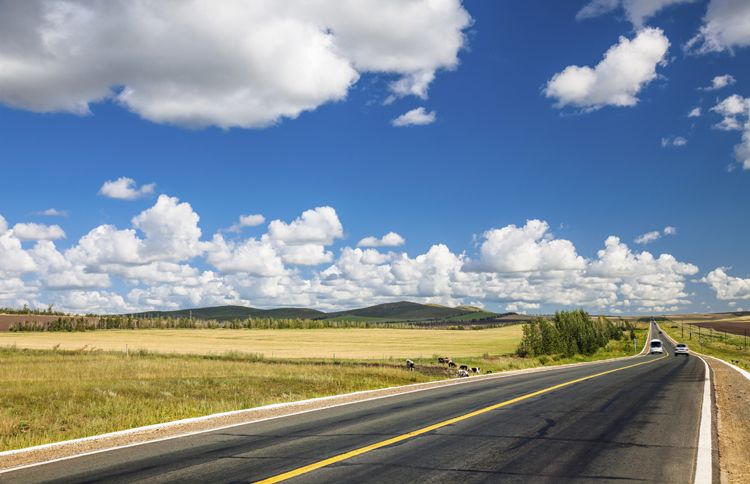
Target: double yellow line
400, 438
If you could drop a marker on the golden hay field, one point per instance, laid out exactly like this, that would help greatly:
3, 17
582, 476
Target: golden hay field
374, 344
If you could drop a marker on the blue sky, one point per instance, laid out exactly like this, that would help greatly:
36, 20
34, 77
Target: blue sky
503, 149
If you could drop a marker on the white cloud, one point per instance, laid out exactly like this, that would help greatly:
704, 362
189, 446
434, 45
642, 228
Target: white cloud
415, 117
720, 82
125, 189
673, 141
3, 225
617, 79
636, 11
726, 26
694, 113
53, 212
648, 237
654, 235
171, 229
247, 221
524, 249
114, 269
735, 112
247, 64
252, 256
391, 239
320, 225
32, 231
727, 287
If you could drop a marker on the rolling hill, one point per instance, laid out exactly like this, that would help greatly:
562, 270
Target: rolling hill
389, 312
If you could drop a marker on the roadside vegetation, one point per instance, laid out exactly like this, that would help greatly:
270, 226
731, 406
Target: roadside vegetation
571, 333
729, 347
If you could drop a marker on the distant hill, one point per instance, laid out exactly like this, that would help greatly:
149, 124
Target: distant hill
390, 312
226, 313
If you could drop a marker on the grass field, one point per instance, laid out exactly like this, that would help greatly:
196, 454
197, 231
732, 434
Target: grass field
370, 344
726, 346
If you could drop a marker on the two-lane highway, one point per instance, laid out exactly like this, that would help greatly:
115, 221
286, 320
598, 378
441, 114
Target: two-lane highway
632, 419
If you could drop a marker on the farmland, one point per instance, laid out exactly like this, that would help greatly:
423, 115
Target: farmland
369, 344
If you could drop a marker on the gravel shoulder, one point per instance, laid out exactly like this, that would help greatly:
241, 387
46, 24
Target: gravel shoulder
733, 415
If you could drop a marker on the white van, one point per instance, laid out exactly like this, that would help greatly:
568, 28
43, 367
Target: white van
656, 347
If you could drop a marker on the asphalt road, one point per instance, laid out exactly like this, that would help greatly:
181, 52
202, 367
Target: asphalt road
635, 424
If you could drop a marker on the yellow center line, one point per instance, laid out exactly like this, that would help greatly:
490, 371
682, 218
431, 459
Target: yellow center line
400, 438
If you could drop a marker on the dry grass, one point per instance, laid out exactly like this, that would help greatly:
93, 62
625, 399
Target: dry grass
368, 344
53, 395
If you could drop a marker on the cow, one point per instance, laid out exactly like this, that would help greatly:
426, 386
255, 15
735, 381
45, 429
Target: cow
464, 367
476, 369
488, 371
451, 364
443, 360
463, 373
409, 365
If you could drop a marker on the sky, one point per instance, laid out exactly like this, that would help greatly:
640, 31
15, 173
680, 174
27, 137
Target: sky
519, 156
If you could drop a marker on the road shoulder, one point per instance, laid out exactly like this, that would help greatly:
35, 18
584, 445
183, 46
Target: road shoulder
733, 417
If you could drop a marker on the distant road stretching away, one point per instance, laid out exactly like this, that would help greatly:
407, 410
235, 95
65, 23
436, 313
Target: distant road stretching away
630, 420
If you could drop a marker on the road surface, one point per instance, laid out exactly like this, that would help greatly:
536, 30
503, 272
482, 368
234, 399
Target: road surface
634, 420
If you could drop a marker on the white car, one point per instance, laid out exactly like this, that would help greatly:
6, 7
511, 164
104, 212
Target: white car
681, 349
656, 347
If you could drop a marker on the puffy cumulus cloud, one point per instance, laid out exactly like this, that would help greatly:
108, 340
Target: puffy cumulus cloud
694, 113
735, 112
3, 225
726, 26
251, 256
14, 259
171, 229
636, 11
252, 220
416, 117
720, 82
525, 249
644, 280
230, 64
32, 231
142, 268
727, 287
391, 239
319, 225
616, 80
125, 189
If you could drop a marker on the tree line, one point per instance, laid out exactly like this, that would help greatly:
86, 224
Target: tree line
570, 333
91, 323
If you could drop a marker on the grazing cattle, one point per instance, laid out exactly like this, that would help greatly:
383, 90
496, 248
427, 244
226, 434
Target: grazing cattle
463, 373
451, 364
443, 360
409, 365
476, 369
463, 367
488, 371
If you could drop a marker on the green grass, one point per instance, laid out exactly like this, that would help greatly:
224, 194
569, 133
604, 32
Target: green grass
725, 346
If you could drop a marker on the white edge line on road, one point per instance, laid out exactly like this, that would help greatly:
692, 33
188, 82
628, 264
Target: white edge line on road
120, 433
703, 464
704, 454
